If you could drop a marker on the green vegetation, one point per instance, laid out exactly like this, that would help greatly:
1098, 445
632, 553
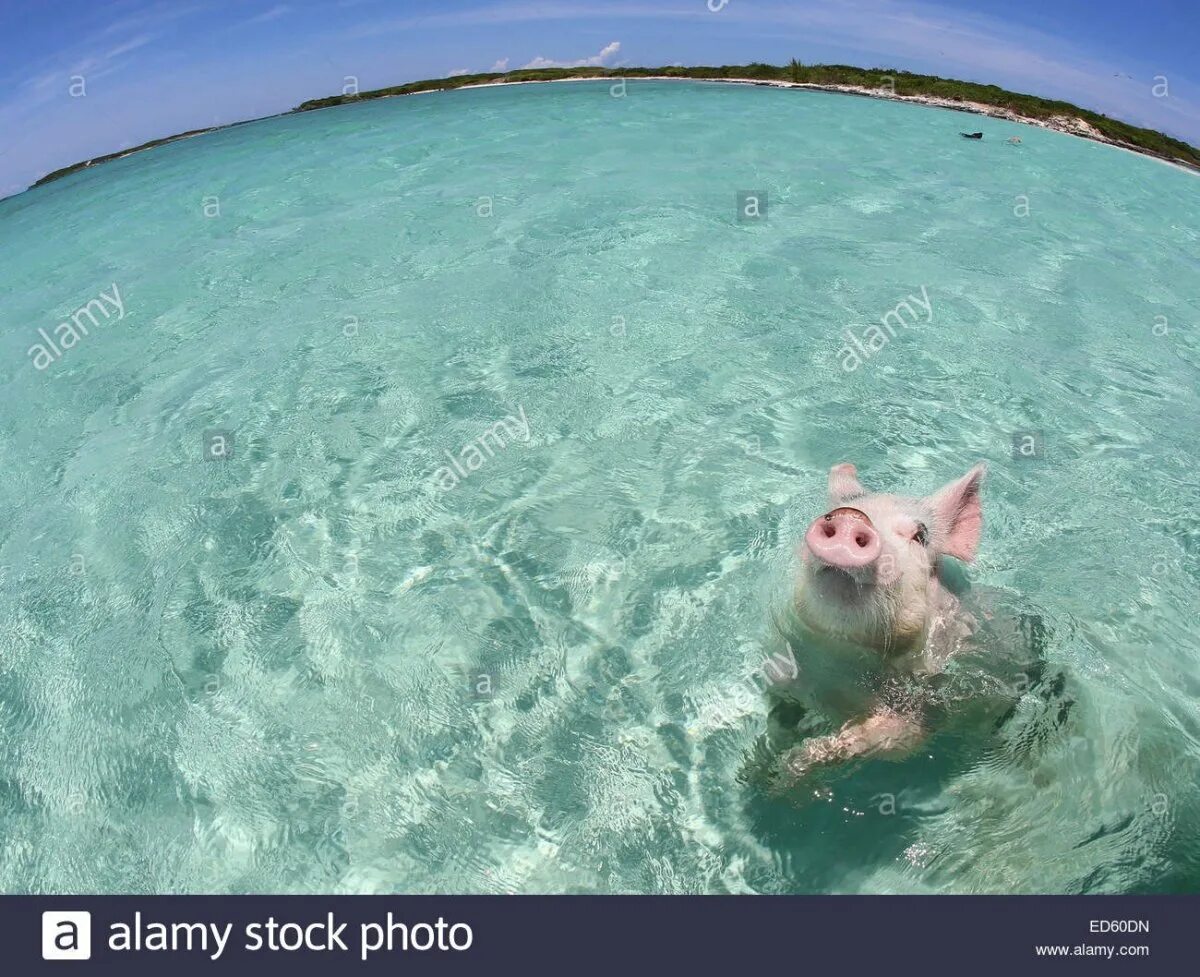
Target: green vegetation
886, 79
75, 167
461, 81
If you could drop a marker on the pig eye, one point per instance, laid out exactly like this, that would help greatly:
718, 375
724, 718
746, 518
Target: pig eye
922, 534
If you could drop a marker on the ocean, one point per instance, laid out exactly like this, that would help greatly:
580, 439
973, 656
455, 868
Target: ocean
399, 497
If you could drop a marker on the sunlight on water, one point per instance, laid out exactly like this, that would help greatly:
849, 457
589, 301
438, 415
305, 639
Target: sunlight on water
418, 522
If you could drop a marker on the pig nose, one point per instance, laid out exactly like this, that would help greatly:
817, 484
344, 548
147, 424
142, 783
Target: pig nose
844, 538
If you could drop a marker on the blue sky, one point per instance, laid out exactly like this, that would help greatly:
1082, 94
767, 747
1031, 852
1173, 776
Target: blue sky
155, 67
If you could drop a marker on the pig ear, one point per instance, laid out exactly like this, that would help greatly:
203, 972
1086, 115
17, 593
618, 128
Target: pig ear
957, 511
843, 483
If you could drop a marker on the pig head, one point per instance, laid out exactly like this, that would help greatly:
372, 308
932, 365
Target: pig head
871, 562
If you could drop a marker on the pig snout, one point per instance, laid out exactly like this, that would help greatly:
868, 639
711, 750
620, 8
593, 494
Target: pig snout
844, 539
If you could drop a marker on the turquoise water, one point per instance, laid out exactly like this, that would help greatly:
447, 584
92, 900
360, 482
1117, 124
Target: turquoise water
317, 666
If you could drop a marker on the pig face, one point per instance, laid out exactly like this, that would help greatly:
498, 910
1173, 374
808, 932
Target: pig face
870, 563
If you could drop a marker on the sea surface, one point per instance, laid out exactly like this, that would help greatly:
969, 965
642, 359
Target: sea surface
257, 633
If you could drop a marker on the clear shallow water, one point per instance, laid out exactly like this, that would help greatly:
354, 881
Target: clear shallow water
251, 675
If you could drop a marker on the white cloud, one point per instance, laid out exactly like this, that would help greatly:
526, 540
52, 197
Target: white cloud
458, 71
595, 61
501, 65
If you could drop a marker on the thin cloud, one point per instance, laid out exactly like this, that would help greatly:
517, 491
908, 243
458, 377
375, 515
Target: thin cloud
131, 45
268, 15
156, 16
519, 13
106, 44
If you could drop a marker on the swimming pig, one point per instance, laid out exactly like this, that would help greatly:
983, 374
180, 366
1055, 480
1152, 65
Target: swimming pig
873, 612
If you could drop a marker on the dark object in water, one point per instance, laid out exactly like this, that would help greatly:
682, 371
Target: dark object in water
971, 135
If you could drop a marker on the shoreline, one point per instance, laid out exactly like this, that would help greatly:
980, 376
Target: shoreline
1067, 125
1064, 123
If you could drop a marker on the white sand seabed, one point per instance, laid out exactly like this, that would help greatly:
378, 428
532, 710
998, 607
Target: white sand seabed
1068, 125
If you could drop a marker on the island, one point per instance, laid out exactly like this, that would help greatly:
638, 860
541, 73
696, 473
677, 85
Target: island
887, 83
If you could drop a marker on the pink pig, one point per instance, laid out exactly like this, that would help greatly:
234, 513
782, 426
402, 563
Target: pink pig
871, 591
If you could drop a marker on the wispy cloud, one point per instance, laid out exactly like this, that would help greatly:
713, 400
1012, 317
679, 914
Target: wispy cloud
154, 16
518, 13
47, 76
274, 13
131, 45
596, 60
501, 65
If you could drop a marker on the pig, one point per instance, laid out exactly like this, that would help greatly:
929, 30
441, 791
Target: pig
873, 615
